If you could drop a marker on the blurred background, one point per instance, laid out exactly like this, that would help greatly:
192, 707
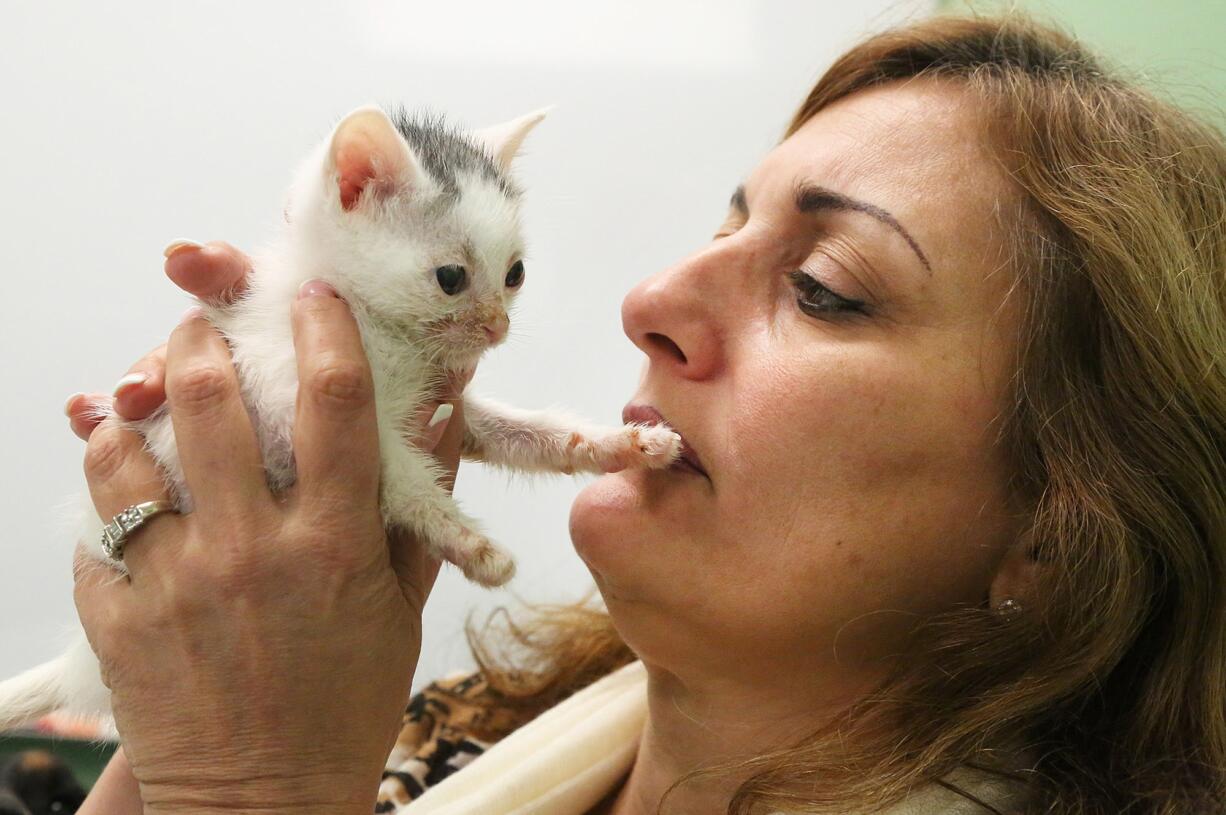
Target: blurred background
130, 125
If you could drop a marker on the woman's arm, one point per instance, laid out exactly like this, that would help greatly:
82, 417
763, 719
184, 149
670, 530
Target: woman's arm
260, 655
115, 792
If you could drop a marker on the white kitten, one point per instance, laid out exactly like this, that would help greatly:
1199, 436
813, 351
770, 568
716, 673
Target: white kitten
417, 227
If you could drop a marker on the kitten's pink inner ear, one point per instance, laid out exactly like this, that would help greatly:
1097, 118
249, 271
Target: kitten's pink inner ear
370, 157
355, 169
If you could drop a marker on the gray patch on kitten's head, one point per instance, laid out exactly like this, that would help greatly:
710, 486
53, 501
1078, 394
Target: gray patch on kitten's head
446, 152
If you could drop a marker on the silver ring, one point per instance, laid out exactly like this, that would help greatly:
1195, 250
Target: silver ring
115, 534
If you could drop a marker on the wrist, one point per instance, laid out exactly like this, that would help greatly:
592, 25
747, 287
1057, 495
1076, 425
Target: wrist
277, 809
231, 809
273, 794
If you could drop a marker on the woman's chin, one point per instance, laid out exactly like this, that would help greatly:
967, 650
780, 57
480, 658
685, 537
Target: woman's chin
600, 505
619, 517
608, 521
608, 516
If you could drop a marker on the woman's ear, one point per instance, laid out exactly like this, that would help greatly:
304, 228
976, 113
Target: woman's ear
1017, 574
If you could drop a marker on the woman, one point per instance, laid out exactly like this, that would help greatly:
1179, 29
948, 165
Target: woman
953, 368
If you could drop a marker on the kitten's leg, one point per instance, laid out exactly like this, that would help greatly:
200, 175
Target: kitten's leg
550, 441
413, 498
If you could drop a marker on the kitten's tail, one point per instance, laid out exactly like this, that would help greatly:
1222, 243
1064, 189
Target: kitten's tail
71, 677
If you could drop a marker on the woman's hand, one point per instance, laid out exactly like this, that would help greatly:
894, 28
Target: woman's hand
214, 272
261, 653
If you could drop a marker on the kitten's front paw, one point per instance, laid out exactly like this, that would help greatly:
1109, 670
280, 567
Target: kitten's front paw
659, 447
635, 445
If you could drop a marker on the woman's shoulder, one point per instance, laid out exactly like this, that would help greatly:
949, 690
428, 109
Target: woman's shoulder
446, 725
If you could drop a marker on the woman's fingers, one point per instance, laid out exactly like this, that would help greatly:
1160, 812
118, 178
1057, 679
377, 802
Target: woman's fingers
447, 451
427, 425
119, 470
216, 444
137, 394
416, 569
142, 389
85, 411
102, 595
216, 271
120, 473
336, 438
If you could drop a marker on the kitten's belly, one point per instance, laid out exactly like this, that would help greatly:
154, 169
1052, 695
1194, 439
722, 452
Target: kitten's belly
267, 370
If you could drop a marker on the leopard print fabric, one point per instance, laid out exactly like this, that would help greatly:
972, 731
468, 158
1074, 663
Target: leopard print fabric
444, 729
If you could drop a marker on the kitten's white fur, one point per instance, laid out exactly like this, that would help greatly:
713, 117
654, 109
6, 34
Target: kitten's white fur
375, 210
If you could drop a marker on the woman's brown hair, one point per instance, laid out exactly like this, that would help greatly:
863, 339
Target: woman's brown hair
1114, 677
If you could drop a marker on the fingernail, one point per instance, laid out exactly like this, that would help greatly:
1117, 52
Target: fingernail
191, 314
68, 404
130, 379
175, 246
316, 288
441, 414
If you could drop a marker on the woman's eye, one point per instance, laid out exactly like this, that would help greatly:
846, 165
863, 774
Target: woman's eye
817, 299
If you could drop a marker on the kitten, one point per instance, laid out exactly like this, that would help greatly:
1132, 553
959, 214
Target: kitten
416, 225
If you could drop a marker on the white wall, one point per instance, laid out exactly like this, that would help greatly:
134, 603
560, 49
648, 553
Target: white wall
129, 124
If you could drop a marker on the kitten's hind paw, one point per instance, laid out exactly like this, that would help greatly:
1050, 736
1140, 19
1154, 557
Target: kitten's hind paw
483, 562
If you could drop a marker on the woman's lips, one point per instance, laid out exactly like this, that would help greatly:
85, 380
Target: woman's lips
646, 414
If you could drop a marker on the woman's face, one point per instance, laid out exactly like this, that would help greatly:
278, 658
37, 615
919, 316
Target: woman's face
853, 484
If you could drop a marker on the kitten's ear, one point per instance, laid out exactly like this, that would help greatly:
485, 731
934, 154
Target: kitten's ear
368, 157
503, 141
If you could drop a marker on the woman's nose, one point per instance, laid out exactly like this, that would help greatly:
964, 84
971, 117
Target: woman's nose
671, 317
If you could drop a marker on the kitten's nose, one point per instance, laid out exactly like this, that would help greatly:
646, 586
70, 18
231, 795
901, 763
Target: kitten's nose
496, 327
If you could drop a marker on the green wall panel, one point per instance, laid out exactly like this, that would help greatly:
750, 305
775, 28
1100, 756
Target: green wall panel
1177, 47
86, 758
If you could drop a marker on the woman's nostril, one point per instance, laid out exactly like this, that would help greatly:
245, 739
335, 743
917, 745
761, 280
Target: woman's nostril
666, 345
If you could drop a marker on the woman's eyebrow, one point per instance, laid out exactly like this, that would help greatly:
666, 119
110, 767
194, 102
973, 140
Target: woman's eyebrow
812, 198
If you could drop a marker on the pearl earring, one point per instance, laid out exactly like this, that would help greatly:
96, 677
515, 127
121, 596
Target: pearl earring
1009, 608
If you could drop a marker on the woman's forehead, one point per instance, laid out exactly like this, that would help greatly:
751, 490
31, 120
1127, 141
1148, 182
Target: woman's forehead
891, 138
914, 150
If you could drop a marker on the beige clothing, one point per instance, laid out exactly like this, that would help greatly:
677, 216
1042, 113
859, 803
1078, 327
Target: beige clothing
566, 760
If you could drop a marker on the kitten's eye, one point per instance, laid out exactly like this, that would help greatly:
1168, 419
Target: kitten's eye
451, 279
516, 275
